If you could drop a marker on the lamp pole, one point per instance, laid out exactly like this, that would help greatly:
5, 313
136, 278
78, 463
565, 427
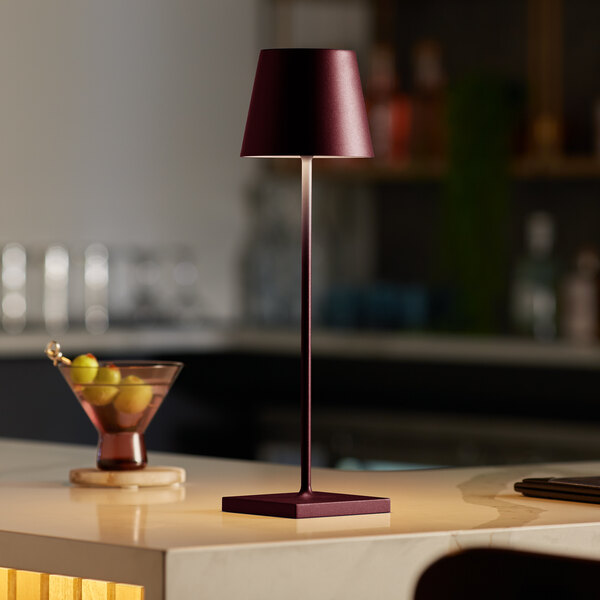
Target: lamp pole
305, 326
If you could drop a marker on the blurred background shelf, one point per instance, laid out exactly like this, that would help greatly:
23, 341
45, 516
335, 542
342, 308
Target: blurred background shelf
145, 214
332, 344
424, 348
374, 171
379, 398
573, 167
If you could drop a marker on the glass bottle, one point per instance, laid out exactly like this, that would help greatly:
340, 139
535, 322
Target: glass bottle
389, 111
428, 118
580, 296
534, 283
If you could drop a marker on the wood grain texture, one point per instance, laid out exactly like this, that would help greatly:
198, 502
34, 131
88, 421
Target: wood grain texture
30, 585
124, 591
64, 588
8, 579
97, 590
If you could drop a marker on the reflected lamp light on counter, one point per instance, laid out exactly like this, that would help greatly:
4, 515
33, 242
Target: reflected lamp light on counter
306, 103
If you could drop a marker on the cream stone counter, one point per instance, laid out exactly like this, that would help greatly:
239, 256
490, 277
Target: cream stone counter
178, 543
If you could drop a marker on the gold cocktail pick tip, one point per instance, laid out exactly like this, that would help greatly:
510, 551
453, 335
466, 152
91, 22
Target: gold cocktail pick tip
55, 355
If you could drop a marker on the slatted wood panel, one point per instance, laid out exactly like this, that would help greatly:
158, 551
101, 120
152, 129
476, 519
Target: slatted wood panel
30, 585
64, 587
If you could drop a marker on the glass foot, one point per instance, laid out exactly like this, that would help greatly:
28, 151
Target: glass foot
121, 451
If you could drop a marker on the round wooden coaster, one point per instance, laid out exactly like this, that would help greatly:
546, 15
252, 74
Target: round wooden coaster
147, 477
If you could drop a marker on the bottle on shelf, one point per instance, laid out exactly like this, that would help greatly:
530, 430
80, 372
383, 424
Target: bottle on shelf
389, 111
580, 296
597, 128
270, 265
546, 137
428, 126
535, 281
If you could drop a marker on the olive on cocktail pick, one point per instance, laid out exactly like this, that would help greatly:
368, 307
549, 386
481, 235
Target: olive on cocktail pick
101, 395
86, 364
85, 368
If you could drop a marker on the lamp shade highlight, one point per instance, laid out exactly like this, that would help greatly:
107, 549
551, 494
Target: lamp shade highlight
307, 102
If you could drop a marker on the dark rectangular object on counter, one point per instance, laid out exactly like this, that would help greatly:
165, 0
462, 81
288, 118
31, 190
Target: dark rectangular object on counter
575, 489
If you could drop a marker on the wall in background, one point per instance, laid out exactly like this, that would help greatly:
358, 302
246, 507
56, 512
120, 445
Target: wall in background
121, 122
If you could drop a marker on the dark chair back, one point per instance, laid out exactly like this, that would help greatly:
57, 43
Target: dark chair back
490, 574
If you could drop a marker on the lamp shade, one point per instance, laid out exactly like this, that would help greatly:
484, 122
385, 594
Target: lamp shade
307, 102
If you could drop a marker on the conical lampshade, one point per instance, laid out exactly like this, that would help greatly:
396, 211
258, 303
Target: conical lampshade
307, 102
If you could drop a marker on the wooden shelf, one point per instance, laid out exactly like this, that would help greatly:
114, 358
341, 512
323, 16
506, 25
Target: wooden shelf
573, 167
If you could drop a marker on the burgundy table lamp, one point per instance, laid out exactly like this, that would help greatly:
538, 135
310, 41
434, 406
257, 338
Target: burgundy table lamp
306, 103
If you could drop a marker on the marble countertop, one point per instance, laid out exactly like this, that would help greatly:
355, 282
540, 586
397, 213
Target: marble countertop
174, 540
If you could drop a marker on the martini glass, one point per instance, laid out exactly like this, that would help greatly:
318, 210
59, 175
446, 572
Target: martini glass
122, 411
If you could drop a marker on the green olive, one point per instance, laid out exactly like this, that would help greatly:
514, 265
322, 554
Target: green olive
100, 395
84, 368
134, 395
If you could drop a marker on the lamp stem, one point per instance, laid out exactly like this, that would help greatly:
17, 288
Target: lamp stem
305, 325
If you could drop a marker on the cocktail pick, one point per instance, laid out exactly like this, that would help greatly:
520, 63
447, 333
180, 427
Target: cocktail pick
55, 355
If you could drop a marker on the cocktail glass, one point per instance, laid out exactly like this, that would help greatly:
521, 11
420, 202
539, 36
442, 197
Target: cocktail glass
122, 411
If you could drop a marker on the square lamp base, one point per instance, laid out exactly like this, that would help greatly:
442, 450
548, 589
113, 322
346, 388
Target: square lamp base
301, 506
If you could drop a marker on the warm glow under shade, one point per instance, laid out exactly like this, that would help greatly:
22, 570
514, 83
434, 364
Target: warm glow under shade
307, 102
